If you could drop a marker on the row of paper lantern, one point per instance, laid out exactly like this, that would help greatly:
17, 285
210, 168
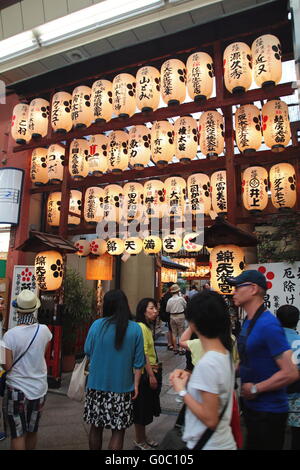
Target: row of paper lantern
126, 92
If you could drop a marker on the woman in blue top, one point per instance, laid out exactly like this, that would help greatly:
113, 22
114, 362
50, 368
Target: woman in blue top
115, 348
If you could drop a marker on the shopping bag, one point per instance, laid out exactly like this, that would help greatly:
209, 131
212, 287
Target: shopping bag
76, 389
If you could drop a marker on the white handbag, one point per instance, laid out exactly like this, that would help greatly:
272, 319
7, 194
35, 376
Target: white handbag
76, 389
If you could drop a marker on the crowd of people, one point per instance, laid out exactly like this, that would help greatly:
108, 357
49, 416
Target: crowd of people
252, 374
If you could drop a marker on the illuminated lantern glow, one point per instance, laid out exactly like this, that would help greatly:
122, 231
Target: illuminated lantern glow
211, 133
152, 244
173, 80
75, 207
61, 106
199, 194
225, 261
83, 247
38, 169
172, 243
123, 95
53, 209
118, 159
147, 89
276, 125
55, 163
175, 195
93, 205
113, 202
200, 73
97, 160
168, 275
189, 263
267, 67
283, 185
38, 117
102, 101
133, 200
19, 124
139, 146
100, 268
115, 246
162, 143
82, 113
237, 63
98, 247
255, 189
248, 132
154, 198
133, 245
218, 188
191, 241
79, 151
186, 138
49, 269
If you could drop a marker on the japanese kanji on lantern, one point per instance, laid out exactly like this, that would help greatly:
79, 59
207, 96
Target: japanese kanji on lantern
199, 195
248, 132
168, 275
93, 204
172, 243
154, 198
98, 247
53, 209
192, 242
113, 201
225, 261
100, 268
19, 124
79, 151
173, 81
61, 106
200, 73
162, 142
38, 168
97, 160
175, 195
147, 88
83, 247
49, 270
139, 146
133, 245
38, 117
55, 163
190, 263
115, 246
267, 67
118, 159
283, 185
123, 95
218, 188
255, 189
276, 125
185, 138
75, 207
152, 244
211, 133
133, 200
102, 101
82, 113
237, 67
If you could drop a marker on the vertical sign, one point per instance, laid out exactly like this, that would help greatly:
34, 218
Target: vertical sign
23, 278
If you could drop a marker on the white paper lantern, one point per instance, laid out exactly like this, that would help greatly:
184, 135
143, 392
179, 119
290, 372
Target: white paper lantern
98, 247
147, 88
139, 146
97, 160
61, 106
102, 101
211, 133
82, 113
186, 138
152, 244
225, 261
200, 73
79, 151
172, 243
115, 246
49, 269
173, 82
93, 204
192, 242
283, 185
83, 247
55, 163
218, 187
154, 198
113, 202
175, 195
38, 168
276, 125
133, 200
267, 68
38, 117
237, 67
162, 142
199, 195
133, 245
53, 209
123, 95
19, 124
118, 159
75, 207
248, 132
255, 189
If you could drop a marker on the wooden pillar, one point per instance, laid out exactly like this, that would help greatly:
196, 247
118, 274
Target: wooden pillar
65, 196
230, 167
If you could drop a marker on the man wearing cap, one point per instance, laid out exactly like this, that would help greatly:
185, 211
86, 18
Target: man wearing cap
176, 307
266, 366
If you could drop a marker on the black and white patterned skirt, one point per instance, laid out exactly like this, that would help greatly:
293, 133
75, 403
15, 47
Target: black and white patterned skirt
108, 409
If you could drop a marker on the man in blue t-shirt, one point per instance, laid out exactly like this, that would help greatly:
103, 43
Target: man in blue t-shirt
266, 366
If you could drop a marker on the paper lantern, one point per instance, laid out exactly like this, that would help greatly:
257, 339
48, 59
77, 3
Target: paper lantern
267, 67
102, 101
139, 146
133, 200
172, 243
82, 113
192, 242
123, 95
225, 261
19, 124
55, 163
75, 207
38, 169
283, 185
175, 195
133, 245
49, 268
185, 138
83, 247
79, 151
53, 209
115, 246
113, 202
255, 189
147, 88
61, 119
154, 198
98, 247
198, 188
11, 187
118, 159
93, 204
162, 142
173, 80
152, 244
276, 125
100, 268
38, 116
200, 73
168, 275
97, 160
218, 188
211, 133
248, 132
237, 67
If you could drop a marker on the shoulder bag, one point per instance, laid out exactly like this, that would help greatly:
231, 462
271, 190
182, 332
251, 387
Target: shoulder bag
76, 389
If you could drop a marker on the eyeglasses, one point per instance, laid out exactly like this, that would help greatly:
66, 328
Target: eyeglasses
244, 285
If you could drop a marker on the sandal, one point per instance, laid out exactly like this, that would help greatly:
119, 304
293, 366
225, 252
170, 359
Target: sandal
151, 443
182, 353
142, 445
170, 347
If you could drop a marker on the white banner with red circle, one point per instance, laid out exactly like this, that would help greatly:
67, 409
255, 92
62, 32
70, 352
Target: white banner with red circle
23, 278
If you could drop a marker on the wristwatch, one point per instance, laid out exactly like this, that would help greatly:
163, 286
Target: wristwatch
253, 389
182, 393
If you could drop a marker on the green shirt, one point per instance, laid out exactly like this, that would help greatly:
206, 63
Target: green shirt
148, 343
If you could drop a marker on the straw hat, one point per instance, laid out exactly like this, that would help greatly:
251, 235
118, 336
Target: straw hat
174, 288
26, 302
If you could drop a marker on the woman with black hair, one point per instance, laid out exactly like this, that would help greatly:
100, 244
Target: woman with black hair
114, 346
147, 404
208, 391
